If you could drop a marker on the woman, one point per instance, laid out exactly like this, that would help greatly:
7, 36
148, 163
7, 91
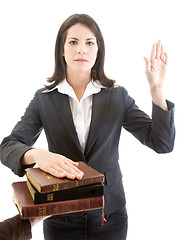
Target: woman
82, 113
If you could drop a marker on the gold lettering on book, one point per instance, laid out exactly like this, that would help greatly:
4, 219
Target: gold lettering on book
55, 187
77, 183
47, 175
42, 211
50, 197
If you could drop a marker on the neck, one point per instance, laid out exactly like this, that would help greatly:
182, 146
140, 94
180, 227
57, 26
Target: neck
79, 82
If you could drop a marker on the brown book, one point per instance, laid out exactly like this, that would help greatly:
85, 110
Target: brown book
27, 209
44, 182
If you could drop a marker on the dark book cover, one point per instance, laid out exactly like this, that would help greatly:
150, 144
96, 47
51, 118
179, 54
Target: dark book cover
45, 182
94, 190
27, 208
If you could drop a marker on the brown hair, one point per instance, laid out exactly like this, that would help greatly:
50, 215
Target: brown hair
97, 72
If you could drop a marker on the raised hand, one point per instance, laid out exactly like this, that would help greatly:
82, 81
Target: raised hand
155, 72
156, 66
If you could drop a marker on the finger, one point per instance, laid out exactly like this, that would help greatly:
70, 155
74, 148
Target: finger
74, 163
153, 52
147, 64
56, 172
166, 58
158, 50
70, 164
78, 171
71, 169
61, 173
62, 170
162, 53
69, 174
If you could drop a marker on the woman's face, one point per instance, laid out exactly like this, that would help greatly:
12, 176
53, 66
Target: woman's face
80, 49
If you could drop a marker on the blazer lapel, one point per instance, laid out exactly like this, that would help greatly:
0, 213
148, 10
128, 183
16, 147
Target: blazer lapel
63, 107
99, 110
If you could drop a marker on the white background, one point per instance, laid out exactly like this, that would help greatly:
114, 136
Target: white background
153, 183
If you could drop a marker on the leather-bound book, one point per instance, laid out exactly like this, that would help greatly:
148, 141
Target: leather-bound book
27, 208
44, 182
94, 190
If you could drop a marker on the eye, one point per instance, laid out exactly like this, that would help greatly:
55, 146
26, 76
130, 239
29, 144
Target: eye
73, 42
90, 43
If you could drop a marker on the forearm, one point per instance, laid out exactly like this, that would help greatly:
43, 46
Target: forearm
158, 97
163, 128
11, 152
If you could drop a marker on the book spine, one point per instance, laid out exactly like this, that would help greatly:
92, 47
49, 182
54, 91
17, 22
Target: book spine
94, 190
72, 184
49, 209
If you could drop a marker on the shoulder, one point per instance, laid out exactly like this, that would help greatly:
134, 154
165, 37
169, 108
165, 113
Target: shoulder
117, 96
41, 97
42, 93
120, 97
117, 91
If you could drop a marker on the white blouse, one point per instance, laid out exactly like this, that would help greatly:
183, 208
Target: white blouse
81, 110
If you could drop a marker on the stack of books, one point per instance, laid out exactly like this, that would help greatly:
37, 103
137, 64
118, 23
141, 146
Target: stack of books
45, 195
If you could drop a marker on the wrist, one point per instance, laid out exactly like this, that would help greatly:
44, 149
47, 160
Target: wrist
158, 97
156, 93
34, 221
28, 157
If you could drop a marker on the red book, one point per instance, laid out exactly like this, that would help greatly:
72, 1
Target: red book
45, 182
27, 208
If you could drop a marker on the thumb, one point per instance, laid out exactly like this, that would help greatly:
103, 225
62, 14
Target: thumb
147, 63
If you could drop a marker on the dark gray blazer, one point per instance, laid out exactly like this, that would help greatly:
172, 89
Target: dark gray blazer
111, 110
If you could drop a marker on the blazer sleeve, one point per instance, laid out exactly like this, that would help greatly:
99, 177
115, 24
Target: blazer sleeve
22, 138
157, 132
15, 229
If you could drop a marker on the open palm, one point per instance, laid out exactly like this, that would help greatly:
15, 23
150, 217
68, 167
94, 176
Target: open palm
156, 66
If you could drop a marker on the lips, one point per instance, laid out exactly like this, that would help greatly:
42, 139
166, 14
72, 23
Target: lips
81, 60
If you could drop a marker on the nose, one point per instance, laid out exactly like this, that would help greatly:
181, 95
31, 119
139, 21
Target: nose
81, 49
83, 52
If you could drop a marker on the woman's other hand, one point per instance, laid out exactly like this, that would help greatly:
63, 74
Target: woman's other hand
156, 66
155, 72
55, 164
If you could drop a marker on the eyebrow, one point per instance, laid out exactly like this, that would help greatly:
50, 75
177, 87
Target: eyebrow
74, 38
